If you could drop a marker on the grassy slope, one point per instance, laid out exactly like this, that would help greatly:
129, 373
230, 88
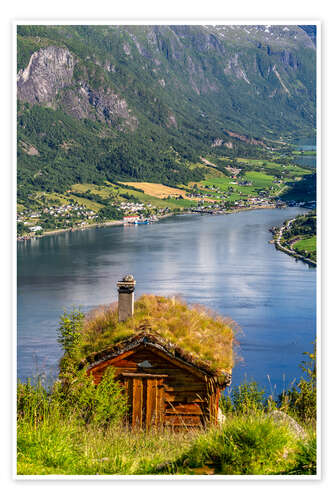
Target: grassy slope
245, 446
308, 244
261, 179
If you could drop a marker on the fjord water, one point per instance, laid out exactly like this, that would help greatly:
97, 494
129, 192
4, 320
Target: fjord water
307, 161
224, 262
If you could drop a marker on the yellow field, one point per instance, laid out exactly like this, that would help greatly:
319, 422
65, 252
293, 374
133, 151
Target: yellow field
157, 190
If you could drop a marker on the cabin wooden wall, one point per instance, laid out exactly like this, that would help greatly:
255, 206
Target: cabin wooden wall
190, 399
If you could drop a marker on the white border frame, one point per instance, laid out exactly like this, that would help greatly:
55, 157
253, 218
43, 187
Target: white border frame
124, 21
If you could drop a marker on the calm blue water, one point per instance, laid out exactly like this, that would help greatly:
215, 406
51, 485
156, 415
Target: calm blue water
224, 262
307, 161
307, 147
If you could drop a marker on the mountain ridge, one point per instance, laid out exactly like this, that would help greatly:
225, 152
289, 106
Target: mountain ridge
162, 94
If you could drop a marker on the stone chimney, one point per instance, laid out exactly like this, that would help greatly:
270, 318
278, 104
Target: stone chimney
126, 288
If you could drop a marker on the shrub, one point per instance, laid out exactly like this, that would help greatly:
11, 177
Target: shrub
78, 398
32, 401
301, 400
70, 331
246, 399
245, 445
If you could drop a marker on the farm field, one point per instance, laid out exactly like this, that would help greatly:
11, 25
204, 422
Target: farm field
121, 193
64, 199
157, 190
260, 181
290, 170
263, 176
305, 153
307, 244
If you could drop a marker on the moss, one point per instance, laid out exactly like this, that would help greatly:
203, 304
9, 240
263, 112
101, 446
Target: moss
194, 329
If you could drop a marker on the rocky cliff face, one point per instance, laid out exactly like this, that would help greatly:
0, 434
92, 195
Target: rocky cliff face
48, 80
49, 70
103, 105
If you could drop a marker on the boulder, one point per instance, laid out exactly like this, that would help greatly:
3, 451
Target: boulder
281, 417
220, 417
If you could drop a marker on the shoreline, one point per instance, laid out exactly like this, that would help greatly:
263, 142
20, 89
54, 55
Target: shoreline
279, 233
70, 229
121, 223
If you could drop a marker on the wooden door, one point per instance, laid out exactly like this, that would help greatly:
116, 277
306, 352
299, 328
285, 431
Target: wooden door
145, 399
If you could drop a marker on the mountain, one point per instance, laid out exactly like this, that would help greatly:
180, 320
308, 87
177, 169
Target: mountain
311, 30
120, 102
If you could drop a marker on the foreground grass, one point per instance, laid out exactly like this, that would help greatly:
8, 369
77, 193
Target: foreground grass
70, 448
245, 446
254, 446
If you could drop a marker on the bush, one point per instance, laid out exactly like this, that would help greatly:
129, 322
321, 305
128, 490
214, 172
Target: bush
76, 399
69, 331
301, 400
247, 446
102, 404
32, 401
246, 399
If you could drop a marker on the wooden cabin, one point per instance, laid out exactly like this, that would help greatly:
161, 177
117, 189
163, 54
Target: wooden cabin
164, 386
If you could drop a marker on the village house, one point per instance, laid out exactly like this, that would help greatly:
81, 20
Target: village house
130, 218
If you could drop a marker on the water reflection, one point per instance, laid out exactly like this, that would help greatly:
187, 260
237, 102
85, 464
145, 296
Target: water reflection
224, 262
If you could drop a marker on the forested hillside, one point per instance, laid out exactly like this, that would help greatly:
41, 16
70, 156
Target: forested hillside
100, 103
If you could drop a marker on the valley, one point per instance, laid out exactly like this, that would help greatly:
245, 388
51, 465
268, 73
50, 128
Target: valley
103, 109
233, 184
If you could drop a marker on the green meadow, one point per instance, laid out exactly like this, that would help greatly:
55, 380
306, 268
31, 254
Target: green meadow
260, 181
307, 244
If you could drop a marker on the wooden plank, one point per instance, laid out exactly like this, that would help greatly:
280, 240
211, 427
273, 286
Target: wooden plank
184, 409
184, 420
144, 375
160, 404
213, 407
184, 396
137, 403
194, 371
104, 364
125, 363
151, 406
176, 374
128, 384
176, 387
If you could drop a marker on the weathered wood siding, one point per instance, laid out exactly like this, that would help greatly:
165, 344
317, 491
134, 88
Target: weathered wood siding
185, 396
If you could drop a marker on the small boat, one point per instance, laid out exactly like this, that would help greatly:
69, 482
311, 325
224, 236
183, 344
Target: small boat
141, 222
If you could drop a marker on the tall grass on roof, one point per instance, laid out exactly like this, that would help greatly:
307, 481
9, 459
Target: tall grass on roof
195, 329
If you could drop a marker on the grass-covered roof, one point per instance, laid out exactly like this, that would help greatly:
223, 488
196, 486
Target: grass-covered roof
196, 331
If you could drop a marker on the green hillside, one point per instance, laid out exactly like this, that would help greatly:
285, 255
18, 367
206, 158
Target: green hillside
99, 103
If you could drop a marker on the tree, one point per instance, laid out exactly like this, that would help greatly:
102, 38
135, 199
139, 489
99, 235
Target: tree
70, 330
